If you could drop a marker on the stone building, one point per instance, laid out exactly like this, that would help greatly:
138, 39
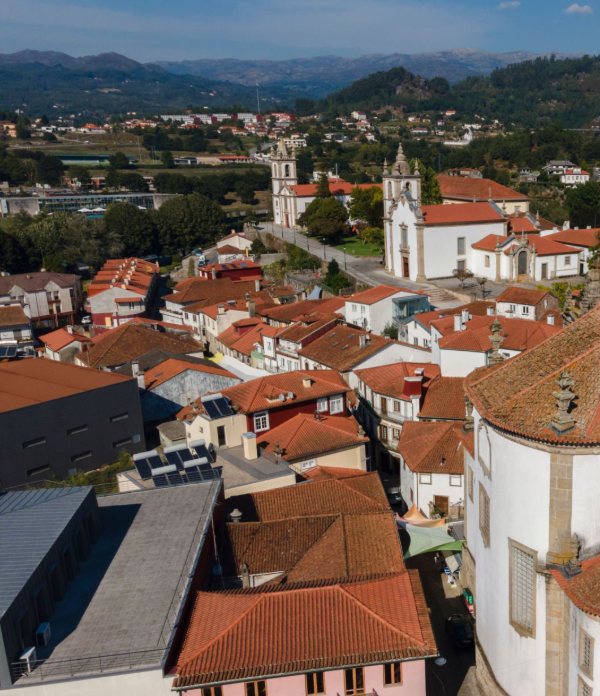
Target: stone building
532, 522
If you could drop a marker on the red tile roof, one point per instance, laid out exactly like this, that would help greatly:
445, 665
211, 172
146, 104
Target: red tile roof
469, 188
460, 214
245, 342
229, 249
61, 338
580, 238
434, 448
248, 634
172, 367
262, 394
135, 275
517, 396
233, 235
389, 379
303, 437
288, 313
29, 382
490, 242
525, 296
306, 326
548, 247
203, 293
583, 589
340, 348
479, 308
519, 334
336, 188
13, 315
444, 399
378, 293
230, 266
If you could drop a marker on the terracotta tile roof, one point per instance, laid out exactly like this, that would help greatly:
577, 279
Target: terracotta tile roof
378, 293
282, 291
332, 547
336, 188
516, 217
306, 326
244, 343
340, 349
444, 399
128, 342
580, 238
490, 242
13, 315
519, 334
469, 188
548, 247
525, 296
583, 589
210, 292
61, 338
232, 235
389, 379
479, 308
246, 634
29, 382
517, 396
351, 495
171, 368
230, 266
131, 274
288, 313
463, 213
229, 249
30, 282
325, 473
433, 448
303, 437
262, 394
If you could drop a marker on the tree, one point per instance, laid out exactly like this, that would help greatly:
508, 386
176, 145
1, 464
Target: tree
430, 188
462, 275
367, 205
82, 174
166, 157
50, 170
133, 181
391, 331
23, 132
191, 272
186, 222
49, 138
119, 161
324, 208
335, 279
583, 203
134, 227
323, 187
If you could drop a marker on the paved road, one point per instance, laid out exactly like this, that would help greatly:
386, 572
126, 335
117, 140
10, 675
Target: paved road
366, 269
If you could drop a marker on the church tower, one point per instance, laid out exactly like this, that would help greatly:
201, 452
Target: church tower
283, 168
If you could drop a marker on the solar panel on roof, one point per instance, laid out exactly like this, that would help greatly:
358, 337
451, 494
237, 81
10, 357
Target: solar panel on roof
160, 481
211, 410
174, 478
243, 265
223, 406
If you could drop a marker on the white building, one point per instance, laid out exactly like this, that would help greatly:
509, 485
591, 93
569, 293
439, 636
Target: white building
378, 307
574, 177
15, 330
525, 303
532, 522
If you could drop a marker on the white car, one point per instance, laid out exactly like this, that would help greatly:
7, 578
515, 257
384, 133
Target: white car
86, 320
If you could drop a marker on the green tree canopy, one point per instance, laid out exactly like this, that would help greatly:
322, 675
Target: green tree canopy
166, 157
134, 227
323, 187
186, 222
583, 203
119, 161
367, 205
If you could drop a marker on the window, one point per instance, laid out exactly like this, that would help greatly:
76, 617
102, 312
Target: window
308, 464
512, 309
38, 470
525, 309
404, 237
363, 309
461, 265
484, 515
257, 688
416, 340
460, 246
567, 260
586, 653
354, 308
383, 433
336, 404
80, 456
34, 443
315, 683
396, 433
522, 563
397, 406
583, 689
121, 443
212, 691
470, 475
354, 681
425, 479
119, 417
392, 674
322, 404
77, 429
261, 421
487, 261
456, 480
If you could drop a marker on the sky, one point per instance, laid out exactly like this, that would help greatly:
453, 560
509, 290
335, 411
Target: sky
148, 30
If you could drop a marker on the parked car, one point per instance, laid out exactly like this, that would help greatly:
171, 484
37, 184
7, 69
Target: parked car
86, 320
393, 496
460, 629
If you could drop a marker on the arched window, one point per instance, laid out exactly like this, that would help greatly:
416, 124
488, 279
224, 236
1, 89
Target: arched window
287, 170
390, 190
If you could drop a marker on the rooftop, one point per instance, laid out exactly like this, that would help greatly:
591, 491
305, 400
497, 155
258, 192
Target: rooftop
378, 293
433, 447
583, 589
173, 367
13, 315
288, 313
61, 338
244, 341
444, 399
340, 349
306, 326
470, 188
518, 396
209, 292
336, 188
30, 282
464, 213
525, 296
389, 380
26, 383
581, 238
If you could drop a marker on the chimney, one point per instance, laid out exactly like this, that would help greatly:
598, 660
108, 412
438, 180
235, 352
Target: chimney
465, 317
213, 273
413, 388
362, 340
250, 447
235, 516
257, 285
566, 224
251, 308
221, 309
550, 319
135, 368
307, 382
457, 322
69, 328
245, 575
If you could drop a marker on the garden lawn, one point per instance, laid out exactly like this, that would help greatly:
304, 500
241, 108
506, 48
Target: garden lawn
356, 247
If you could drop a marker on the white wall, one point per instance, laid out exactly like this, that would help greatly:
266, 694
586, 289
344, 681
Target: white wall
591, 625
557, 266
460, 363
416, 334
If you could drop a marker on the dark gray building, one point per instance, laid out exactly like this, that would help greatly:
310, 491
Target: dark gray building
57, 419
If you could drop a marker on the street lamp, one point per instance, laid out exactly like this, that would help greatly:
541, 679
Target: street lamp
345, 266
324, 253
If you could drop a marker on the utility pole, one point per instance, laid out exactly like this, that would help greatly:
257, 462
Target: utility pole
257, 98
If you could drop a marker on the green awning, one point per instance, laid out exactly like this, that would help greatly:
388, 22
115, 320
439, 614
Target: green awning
426, 539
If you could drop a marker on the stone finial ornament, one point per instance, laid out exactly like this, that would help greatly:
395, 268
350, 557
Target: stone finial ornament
495, 358
591, 291
574, 562
469, 425
562, 421
401, 166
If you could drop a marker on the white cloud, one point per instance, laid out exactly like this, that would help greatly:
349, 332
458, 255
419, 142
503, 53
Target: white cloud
509, 5
579, 9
